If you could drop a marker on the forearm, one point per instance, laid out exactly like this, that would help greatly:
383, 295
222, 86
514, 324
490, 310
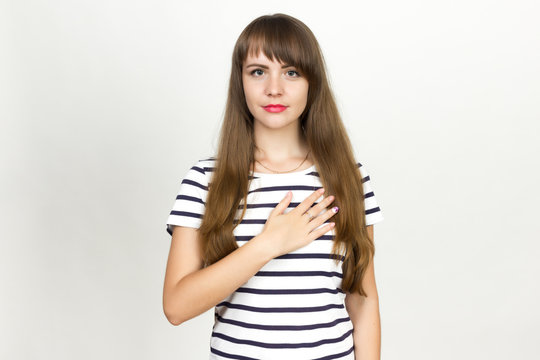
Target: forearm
203, 289
367, 331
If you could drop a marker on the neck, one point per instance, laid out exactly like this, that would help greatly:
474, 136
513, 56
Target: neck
283, 147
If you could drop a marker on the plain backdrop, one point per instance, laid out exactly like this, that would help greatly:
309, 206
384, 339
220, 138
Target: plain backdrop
106, 104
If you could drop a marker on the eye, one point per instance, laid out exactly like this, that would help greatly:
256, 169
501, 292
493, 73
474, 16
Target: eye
257, 72
293, 73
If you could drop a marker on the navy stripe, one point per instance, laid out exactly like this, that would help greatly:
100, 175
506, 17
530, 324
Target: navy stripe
249, 237
365, 179
282, 327
291, 205
287, 291
259, 221
194, 183
336, 356
196, 168
285, 188
374, 210
310, 256
211, 169
263, 221
256, 206
230, 356
299, 273
190, 198
187, 214
244, 237
280, 309
250, 221
269, 205
256, 221
282, 345
315, 173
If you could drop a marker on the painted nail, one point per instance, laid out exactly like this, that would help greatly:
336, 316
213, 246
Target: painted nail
335, 209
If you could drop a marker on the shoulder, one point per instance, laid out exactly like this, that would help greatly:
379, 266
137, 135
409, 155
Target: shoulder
205, 164
203, 167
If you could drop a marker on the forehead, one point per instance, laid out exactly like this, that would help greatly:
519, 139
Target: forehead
261, 58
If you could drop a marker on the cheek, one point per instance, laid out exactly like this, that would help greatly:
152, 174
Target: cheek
250, 99
302, 96
248, 93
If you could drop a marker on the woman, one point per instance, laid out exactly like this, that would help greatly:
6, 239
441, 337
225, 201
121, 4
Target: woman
256, 230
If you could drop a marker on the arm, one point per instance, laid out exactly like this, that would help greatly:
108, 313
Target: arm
190, 289
364, 314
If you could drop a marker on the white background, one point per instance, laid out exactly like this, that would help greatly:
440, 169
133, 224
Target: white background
105, 104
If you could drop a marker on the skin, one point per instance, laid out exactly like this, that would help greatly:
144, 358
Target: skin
190, 290
277, 135
364, 314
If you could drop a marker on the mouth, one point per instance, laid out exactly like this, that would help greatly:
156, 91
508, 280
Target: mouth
275, 108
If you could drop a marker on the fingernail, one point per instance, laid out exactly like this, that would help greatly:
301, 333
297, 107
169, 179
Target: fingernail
321, 190
335, 209
332, 224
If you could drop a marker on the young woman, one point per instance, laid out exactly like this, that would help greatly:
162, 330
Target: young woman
276, 230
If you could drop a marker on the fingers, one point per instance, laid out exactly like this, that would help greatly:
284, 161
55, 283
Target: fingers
283, 204
323, 204
306, 204
315, 234
319, 220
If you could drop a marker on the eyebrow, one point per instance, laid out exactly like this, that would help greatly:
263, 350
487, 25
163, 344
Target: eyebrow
266, 67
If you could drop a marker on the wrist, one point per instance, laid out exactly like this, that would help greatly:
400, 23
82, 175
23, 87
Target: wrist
264, 246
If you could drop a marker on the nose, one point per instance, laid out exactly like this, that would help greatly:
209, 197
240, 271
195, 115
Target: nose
274, 86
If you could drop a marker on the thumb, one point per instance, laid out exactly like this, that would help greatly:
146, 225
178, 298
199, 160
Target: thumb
283, 204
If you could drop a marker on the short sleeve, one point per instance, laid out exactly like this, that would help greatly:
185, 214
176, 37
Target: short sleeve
373, 211
188, 208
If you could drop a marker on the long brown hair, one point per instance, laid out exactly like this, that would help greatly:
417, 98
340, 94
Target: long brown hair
290, 41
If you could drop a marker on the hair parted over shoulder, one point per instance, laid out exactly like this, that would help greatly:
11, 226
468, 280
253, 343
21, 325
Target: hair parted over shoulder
288, 40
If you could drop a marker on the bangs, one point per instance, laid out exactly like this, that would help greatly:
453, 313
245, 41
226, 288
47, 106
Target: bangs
281, 40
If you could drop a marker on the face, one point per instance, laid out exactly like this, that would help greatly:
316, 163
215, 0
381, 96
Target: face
276, 93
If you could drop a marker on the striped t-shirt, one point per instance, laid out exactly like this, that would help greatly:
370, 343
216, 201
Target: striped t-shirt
293, 308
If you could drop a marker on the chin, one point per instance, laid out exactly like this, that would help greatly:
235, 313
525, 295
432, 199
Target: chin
277, 124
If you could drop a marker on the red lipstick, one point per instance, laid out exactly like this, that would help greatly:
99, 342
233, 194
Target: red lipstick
275, 108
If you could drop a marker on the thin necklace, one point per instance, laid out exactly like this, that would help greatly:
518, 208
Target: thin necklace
282, 172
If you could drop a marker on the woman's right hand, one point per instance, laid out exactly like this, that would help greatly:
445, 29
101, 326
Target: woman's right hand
287, 232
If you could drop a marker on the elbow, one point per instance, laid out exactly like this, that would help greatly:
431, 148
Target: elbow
174, 319
172, 315
177, 309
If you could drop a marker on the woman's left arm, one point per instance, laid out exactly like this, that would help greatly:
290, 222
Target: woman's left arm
364, 314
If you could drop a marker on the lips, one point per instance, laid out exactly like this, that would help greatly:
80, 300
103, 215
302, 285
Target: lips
275, 108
